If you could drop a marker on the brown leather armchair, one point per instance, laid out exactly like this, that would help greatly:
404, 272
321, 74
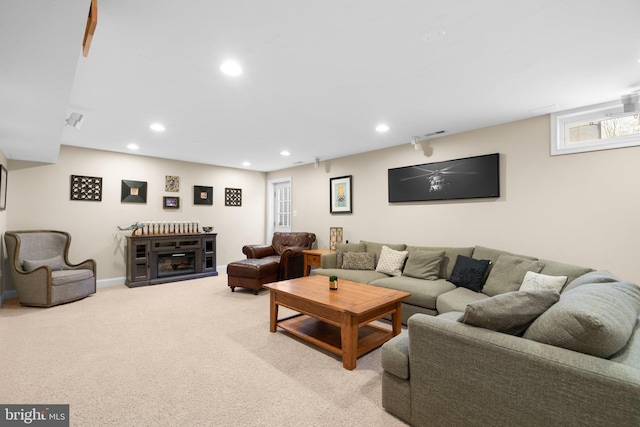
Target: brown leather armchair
285, 249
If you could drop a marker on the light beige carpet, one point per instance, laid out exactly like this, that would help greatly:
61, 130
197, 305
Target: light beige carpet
188, 353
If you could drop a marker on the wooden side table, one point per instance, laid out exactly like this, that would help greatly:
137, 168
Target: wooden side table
312, 258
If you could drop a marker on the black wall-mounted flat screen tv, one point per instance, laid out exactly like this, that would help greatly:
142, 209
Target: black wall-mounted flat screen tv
468, 178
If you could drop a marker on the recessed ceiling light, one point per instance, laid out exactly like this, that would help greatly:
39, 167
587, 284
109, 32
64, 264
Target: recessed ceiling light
231, 68
158, 127
285, 153
132, 146
382, 127
245, 164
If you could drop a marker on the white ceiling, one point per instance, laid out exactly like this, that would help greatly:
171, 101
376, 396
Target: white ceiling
318, 75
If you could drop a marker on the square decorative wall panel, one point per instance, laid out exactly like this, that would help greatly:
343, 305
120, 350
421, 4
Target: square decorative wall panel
202, 195
133, 191
87, 188
233, 196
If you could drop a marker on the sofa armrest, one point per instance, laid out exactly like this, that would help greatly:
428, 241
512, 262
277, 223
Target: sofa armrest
291, 262
88, 264
33, 287
293, 251
258, 251
461, 374
328, 260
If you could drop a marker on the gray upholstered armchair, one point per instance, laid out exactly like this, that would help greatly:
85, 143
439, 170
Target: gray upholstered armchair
40, 270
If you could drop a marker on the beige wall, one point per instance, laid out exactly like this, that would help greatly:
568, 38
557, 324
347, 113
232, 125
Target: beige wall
580, 208
39, 198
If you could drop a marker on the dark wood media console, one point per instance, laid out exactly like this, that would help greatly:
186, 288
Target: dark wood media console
162, 258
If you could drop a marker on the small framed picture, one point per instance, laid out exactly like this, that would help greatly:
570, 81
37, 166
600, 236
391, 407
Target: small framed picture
170, 202
171, 183
202, 195
340, 194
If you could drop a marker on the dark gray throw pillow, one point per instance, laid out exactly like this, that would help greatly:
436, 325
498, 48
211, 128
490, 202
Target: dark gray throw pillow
509, 313
469, 272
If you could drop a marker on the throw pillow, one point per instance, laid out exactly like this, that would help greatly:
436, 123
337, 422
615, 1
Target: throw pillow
391, 262
469, 272
509, 313
536, 282
595, 319
359, 261
376, 248
508, 273
55, 263
341, 248
423, 264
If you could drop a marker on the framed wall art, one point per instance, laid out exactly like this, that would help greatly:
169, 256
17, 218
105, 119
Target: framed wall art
170, 202
4, 174
202, 195
171, 183
340, 194
468, 178
233, 196
133, 191
88, 188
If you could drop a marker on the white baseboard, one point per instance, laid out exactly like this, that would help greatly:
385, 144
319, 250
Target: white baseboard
110, 282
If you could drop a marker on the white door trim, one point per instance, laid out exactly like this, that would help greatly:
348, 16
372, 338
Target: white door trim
271, 189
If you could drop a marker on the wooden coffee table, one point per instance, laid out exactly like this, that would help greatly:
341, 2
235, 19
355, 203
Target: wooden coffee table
338, 321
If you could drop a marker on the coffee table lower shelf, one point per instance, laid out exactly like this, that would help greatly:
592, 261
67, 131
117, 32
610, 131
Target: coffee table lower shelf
329, 337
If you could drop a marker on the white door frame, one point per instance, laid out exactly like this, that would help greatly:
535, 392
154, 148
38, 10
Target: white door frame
271, 189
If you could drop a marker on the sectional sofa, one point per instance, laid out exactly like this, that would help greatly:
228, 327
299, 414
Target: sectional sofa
497, 338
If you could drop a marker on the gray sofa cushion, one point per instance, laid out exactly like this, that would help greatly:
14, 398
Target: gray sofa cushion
63, 277
424, 293
341, 248
376, 248
508, 273
630, 354
595, 319
481, 252
591, 277
449, 260
555, 268
457, 299
395, 356
423, 264
509, 313
358, 261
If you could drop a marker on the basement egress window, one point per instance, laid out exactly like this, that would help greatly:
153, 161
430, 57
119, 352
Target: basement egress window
597, 127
